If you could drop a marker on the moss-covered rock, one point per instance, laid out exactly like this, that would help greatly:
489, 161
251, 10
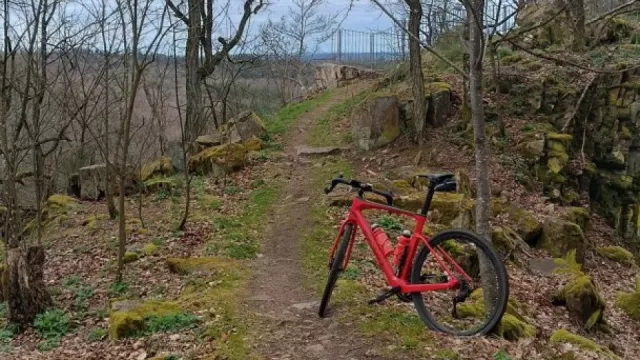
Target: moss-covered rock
127, 318
227, 157
130, 257
523, 221
532, 150
617, 254
582, 299
514, 324
149, 249
577, 215
560, 236
567, 337
162, 167
253, 144
197, 265
504, 239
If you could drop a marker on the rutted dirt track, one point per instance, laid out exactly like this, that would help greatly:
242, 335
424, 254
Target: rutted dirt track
286, 309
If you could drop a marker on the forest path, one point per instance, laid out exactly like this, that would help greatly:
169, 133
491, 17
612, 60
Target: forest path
287, 309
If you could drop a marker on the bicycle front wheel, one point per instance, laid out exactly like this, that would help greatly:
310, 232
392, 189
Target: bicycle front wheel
477, 305
335, 268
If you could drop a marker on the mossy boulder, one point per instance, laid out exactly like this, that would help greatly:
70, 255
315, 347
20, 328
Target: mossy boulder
61, 202
438, 103
532, 150
160, 167
197, 265
617, 254
515, 324
630, 302
566, 337
127, 317
130, 257
376, 122
581, 298
218, 159
577, 215
504, 239
150, 249
560, 236
523, 222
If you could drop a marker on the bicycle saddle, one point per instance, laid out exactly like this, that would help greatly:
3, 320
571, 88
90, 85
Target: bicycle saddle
436, 179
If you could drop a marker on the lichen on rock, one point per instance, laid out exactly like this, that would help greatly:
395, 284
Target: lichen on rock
582, 299
565, 336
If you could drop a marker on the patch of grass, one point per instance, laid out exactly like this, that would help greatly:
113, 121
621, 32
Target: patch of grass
158, 242
352, 272
170, 323
118, 288
282, 121
326, 132
7, 333
241, 234
48, 344
3, 310
97, 334
52, 324
71, 282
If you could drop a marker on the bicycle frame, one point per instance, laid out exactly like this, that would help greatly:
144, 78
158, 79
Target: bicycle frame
356, 218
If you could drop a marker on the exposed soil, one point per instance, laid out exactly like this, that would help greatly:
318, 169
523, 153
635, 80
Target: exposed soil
285, 307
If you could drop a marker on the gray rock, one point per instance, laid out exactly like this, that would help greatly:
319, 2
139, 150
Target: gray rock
544, 266
376, 122
125, 305
315, 349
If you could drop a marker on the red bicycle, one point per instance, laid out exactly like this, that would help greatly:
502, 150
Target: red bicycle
452, 278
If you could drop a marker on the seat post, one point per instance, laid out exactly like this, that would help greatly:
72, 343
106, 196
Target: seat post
427, 201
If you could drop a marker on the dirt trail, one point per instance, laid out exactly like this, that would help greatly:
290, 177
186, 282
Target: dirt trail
287, 310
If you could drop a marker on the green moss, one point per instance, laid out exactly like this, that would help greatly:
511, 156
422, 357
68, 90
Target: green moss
566, 138
625, 133
560, 236
150, 249
556, 146
617, 254
577, 215
582, 299
555, 165
130, 320
630, 304
228, 156
564, 336
130, 257
61, 201
504, 239
435, 88
197, 265
622, 182
162, 166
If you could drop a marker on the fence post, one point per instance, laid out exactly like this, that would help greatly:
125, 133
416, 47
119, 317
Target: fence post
403, 39
339, 46
372, 48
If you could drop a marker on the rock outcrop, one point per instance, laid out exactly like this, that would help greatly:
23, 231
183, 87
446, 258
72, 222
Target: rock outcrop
376, 122
329, 76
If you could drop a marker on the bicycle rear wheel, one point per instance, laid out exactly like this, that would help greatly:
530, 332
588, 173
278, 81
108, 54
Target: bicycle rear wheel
477, 305
335, 268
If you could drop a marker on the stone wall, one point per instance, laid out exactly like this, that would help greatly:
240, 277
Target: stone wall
329, 76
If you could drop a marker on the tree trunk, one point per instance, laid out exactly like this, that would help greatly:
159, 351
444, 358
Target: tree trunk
195, 124
415, 59
493, 55
23, 283
579, 30
122, 235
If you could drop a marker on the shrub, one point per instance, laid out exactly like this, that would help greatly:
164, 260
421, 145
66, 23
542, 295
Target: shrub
170, 322
97, 334
52, 324
118, 288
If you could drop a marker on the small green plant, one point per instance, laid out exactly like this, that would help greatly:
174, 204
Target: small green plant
97, 334
232, 190
48, 344
83, 295
118, 288
52, 324
158, 242
390, 223
3, 310
7, 333
352, 273
71, 281
170, 322
501, 355
257, 183
161, 195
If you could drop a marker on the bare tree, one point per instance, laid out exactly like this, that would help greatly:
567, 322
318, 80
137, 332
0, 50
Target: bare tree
199, 20
294, 36
415, 60
141, 25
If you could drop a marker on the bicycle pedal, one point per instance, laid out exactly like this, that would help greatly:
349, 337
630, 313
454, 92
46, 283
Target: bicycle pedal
385, 295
